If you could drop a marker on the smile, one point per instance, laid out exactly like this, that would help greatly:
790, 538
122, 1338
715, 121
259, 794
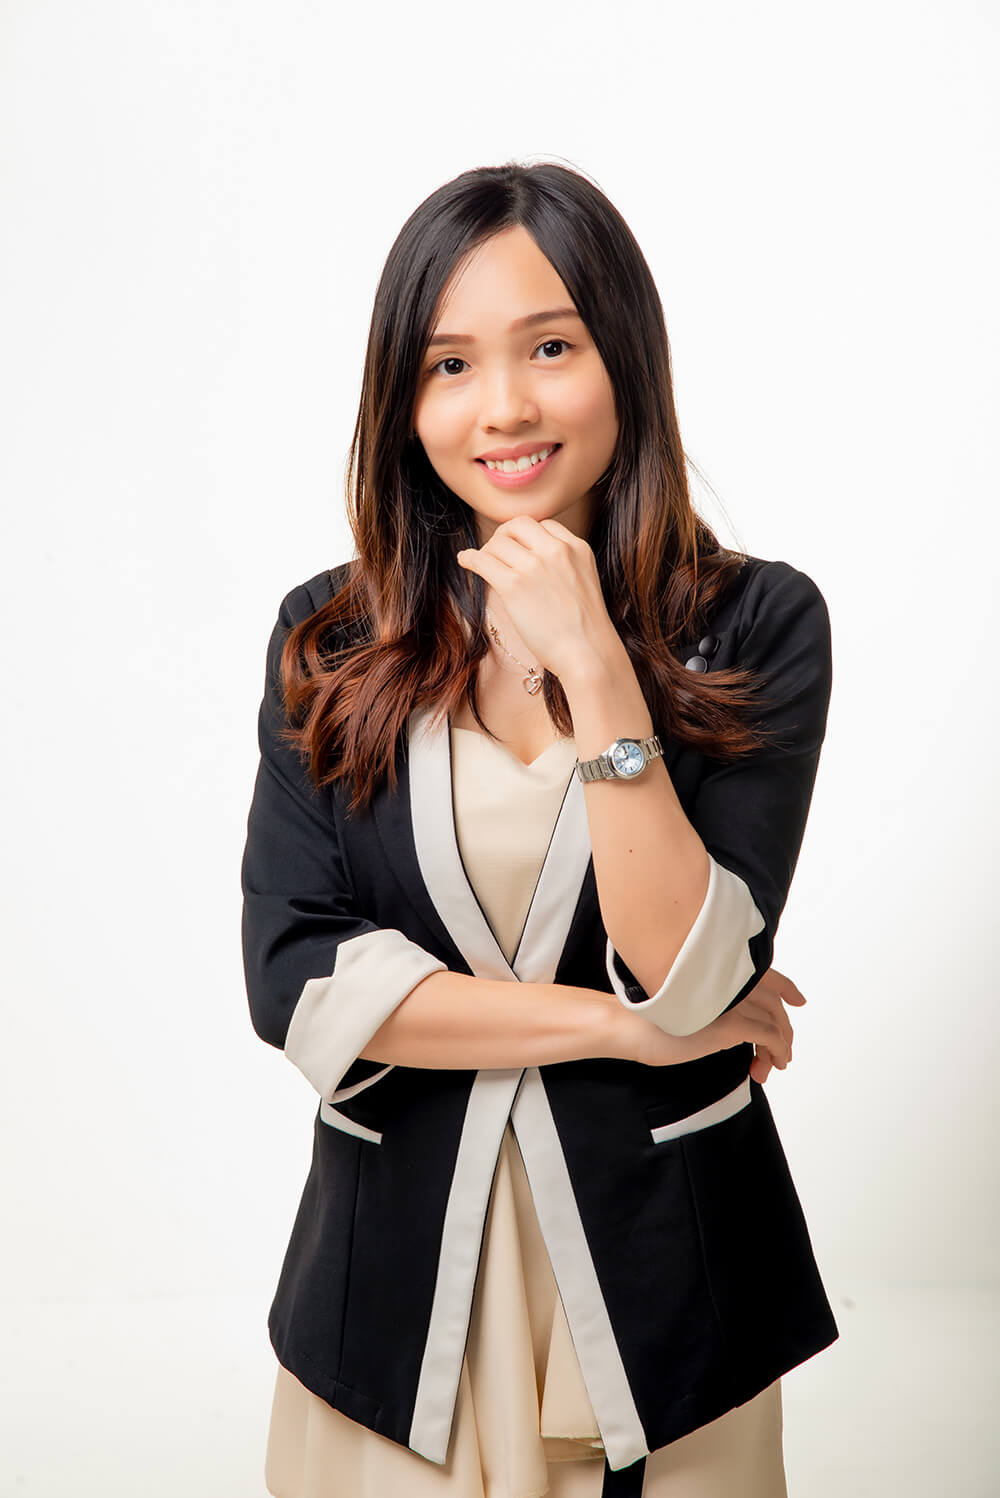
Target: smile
513, 472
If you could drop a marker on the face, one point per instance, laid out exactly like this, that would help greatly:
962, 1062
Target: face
512, 370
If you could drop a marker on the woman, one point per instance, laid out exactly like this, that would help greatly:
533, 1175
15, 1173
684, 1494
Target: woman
535, 769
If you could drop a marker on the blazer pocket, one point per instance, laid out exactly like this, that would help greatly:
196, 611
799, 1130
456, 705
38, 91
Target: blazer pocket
331, 1110
336, 1118
755, 1242
714, 1113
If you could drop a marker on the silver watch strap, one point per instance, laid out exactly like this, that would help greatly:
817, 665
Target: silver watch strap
600, 768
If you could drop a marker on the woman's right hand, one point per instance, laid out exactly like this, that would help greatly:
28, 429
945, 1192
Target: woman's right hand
760, 1020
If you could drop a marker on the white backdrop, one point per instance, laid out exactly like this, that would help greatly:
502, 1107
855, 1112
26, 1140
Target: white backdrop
196, 203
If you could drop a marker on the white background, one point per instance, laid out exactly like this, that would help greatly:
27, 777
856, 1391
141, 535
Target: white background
196, 203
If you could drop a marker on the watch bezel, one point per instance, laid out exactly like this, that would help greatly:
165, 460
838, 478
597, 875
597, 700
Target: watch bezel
602, 766
626, 774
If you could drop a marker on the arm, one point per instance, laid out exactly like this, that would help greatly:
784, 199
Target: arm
692, 902
320, 977
452, 1020
653, 872
346, 999
679, 952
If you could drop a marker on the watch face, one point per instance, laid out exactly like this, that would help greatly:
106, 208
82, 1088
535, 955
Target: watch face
627, 758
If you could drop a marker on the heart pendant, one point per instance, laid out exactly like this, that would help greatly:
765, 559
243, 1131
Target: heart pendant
532, 683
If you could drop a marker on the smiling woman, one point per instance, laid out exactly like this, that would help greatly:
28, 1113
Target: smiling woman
537, 376
535, 769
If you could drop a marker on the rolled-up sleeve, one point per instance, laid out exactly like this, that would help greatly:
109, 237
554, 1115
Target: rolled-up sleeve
751, 814
320, 976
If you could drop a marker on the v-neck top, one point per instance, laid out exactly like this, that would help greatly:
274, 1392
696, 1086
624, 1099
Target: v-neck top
505, 812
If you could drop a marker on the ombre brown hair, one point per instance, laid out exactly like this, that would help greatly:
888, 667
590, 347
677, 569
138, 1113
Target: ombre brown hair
406, 628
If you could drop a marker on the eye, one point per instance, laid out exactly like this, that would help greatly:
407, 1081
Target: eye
451, 359
558, 343
549, 343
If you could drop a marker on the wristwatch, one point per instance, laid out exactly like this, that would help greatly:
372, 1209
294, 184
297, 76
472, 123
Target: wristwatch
622, 760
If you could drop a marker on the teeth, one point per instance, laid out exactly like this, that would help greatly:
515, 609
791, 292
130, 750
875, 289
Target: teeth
518, 465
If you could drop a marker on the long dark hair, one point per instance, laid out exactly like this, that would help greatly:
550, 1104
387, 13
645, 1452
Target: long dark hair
396, 634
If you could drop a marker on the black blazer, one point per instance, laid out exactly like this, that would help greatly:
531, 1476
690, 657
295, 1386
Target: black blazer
663, 1193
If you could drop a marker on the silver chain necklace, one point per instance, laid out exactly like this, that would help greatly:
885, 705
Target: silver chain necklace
532, 682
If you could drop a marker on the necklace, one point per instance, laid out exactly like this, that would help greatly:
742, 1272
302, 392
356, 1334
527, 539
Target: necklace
533, 681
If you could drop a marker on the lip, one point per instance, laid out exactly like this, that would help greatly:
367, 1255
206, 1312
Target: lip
524, 450
518, 480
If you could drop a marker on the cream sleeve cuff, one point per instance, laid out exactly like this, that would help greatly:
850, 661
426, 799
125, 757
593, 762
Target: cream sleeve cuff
336, 1016
711, 967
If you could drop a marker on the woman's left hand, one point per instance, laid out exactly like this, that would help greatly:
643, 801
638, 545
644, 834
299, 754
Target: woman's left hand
546, 577
773, 985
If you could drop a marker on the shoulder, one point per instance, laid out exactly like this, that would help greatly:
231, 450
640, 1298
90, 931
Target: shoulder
298, 604
781, 632
773, 588
309, 597
776, 608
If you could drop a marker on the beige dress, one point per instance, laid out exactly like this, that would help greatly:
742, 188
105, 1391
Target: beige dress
523, 1423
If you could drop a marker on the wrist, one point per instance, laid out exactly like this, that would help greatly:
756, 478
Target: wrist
605, 701
617, 1032
595, 668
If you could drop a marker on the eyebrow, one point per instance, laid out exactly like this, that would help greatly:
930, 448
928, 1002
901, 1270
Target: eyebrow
520, 322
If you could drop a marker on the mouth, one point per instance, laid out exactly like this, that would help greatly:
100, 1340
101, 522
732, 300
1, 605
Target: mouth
510, 473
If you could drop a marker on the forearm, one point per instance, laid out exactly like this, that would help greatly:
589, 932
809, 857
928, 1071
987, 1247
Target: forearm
453, 1020
650, 865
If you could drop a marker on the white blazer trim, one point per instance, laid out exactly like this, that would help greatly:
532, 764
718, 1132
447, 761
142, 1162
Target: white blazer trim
713, 1113
713, 964
338, 1120
458, 1261
490, 1105
579, 1288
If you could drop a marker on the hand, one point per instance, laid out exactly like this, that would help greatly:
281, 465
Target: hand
546, 578
772, 990
759, 1019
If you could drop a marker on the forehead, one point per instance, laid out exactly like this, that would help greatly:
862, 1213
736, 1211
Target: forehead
503, 279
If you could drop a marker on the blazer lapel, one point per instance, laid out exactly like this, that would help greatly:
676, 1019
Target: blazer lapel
444, 878
560, 882
396, 828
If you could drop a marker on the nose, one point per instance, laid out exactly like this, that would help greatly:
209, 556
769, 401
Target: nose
506, 400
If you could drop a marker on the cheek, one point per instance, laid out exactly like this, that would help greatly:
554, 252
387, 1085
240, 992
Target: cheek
590, 408
439, 425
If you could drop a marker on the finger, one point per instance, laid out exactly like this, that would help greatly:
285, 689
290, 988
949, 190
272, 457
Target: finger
512, 550
531, 535
778, 1045
760, 1066
784, 986
766, 984
781, 1018
556, 528
770, 1004
752, 1024
767, 1011
488, 568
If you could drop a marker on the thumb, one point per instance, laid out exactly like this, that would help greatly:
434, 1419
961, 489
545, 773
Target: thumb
761, 1065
